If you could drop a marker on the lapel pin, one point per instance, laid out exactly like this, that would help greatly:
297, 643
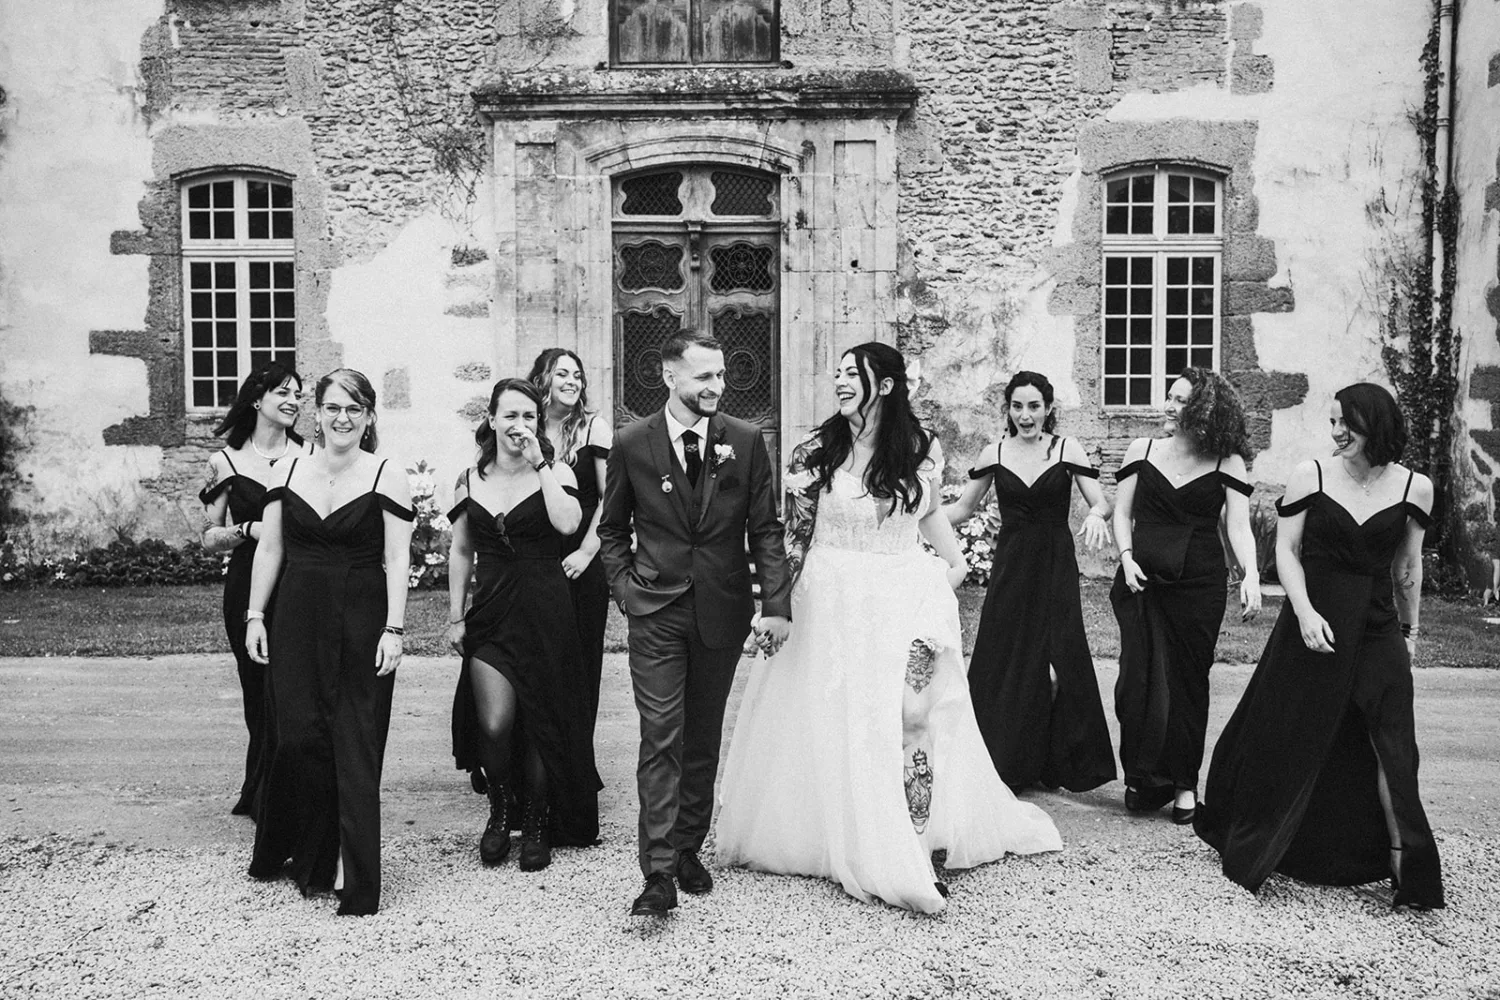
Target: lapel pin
666, 484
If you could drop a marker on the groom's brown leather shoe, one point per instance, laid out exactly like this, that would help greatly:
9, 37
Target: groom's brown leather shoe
691, 874
659, 896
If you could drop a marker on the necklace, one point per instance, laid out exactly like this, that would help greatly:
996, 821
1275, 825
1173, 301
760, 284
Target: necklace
335, 474
285, 444
1368, 483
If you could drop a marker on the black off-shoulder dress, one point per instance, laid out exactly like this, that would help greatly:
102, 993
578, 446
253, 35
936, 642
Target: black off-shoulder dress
1169, 630
590, 591
521, 624
329, 710
1293, 782
247, 502
1033, 620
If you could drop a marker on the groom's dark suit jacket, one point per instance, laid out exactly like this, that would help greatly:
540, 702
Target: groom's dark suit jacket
686, 537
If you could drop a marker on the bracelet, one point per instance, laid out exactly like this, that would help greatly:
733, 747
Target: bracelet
254, 616
458, 621
239, 529
543, 464
393, 630
1410, 631
1125, 550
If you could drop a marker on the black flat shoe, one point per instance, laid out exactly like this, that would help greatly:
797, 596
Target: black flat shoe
691, 874
1181, 816
1140, 800
659, 896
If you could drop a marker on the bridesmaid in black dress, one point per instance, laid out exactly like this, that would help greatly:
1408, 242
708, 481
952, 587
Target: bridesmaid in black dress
340, 522
1031, 676
581, 439
1170, 591
522, 702
1315, 775
259, 431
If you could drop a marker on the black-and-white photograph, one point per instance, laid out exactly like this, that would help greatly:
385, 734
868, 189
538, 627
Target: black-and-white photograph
750, 499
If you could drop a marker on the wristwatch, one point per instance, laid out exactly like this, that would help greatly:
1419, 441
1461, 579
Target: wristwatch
543, 464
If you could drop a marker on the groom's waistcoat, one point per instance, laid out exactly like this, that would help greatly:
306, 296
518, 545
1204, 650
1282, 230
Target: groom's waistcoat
689, 537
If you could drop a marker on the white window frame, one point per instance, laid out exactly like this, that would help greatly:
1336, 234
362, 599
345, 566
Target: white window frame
241, 251
1160, 247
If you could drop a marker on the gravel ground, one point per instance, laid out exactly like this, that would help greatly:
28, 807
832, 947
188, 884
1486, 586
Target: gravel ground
121, 875
98, 920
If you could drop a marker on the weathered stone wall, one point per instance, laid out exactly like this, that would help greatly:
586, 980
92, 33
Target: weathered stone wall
1476, 301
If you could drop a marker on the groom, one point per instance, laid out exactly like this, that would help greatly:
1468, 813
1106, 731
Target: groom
694, 483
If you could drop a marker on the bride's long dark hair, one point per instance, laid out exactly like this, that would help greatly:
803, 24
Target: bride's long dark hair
902, 444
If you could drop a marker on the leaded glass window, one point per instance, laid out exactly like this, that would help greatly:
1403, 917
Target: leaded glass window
1162, 262
239, 301
680, 32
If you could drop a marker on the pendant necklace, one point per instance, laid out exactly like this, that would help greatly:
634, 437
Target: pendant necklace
269, 458
1367, 484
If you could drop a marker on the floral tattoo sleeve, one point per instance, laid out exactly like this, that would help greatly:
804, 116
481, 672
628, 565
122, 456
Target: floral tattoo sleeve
801, 508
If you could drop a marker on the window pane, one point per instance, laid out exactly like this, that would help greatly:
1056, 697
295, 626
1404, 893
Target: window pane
1114, 301
1140, 270
1177, 359
200, 274
1140, 359
227, 392
223, 194
257, 194
741, 194
226, 334
203, 335
1114, 331
1115, 269
260, 274
742, 266
1203, 301
260, 226
1203, 219
651, 31
1203, 270
1177, 331
1177, 271
1140, 220
260, 335
1178, 187
1140, 392
281, 196
223, 225
653, 194
203, 364
281, 273
1114, 393
224, 305
285, 334
1140, 330
260, 305
1177, 219
1117, 191
281, 225
1114, 362
651, 264
224, 274
737, 30
1141, 188
285, 305
1177, 301
198, 196
1140, 301
1203, 357
1203, 331
1203, 190
201, 304
1117, 219
198, 226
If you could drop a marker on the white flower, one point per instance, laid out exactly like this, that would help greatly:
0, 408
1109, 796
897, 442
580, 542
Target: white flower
723, 453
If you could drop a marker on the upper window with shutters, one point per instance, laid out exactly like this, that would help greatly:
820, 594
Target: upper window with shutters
239, 282
1163, 255
695, 32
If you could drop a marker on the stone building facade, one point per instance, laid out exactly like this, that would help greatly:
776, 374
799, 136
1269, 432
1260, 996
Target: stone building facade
1102, 190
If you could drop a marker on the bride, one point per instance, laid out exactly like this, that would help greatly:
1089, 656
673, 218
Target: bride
856, 754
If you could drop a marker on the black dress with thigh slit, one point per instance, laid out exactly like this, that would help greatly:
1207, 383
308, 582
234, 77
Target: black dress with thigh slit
330, 712
1169, 630
1293, 783
1032, 621
247, 502
521, 624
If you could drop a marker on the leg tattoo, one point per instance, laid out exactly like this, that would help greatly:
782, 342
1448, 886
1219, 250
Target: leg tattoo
920, 661
917, 777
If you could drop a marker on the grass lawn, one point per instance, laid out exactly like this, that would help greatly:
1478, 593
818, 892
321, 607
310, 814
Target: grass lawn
152, 621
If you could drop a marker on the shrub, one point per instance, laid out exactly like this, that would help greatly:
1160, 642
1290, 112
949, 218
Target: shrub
119, 564
430, 532
976, 536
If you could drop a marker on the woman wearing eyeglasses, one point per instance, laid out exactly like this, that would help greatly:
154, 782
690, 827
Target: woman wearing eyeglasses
522, 721
337, 531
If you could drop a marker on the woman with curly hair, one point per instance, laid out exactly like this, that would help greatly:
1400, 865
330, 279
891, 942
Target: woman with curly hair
1170, 591
1315, 776
856, 754
1032, 679
520, 712
581, 440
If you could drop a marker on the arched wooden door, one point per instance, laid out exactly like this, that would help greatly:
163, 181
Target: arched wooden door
698, 246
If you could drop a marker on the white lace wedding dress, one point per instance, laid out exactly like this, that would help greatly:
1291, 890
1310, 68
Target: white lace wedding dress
855, 753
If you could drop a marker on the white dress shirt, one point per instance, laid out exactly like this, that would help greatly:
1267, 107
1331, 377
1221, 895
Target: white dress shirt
675, 431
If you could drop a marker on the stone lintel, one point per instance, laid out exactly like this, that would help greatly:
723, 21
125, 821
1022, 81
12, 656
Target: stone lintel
689, 93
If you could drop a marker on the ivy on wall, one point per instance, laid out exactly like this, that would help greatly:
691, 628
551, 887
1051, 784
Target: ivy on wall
1425, 373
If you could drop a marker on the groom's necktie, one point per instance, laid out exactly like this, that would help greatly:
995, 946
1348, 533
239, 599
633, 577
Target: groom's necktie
692, 459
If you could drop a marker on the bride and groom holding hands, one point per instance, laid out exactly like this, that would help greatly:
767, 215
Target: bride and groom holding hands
856, 754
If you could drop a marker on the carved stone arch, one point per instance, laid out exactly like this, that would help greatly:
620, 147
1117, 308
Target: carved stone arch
706, 145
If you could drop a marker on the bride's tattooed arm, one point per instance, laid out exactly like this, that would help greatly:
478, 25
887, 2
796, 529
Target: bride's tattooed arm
800, 510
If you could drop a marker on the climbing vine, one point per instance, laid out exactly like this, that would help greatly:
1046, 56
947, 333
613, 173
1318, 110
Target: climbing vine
1420, 347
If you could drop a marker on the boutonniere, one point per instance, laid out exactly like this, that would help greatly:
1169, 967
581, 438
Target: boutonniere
723, 453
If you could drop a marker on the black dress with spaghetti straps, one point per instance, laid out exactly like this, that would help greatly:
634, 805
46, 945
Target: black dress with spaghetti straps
329, 710
247, 502
590, 591
1169, 630
1293, 783
1032, 621
521, 624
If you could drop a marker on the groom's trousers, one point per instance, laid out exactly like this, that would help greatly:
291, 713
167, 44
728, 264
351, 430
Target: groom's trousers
681, 687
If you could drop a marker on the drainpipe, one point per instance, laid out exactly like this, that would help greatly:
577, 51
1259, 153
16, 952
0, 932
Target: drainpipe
1443, 137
